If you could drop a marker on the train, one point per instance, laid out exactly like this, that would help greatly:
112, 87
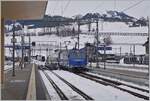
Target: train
52, 61
77, 59
138, 59
73, 59
38, 57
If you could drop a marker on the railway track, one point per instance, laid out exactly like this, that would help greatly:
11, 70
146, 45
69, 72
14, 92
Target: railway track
124, 74
58, 90
115, 85
85, 96
119, 83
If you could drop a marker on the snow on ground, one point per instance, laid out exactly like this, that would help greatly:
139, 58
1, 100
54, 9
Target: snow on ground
135, 66
115, 79
9, 65
95, 90
88, 38
71, 95
135, 90
120, 67
51, 91
107, 27
38, 62
116, 27
122, 27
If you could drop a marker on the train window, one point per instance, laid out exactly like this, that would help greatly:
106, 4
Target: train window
76, 54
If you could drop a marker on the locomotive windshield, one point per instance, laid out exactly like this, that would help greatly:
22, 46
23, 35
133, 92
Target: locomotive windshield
77, 54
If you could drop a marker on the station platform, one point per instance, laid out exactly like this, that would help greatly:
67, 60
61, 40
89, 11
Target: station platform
135, 77
17, 87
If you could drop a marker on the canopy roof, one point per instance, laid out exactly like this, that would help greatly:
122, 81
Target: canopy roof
21, 10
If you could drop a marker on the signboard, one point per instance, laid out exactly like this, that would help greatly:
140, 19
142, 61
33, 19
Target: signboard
106, 48
17, 46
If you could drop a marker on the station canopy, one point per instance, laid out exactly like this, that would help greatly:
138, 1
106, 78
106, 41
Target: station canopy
22, 11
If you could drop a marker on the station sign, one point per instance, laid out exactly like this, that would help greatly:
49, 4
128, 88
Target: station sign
106, 48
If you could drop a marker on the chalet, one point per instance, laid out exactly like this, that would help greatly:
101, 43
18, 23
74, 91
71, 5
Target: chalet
146, 44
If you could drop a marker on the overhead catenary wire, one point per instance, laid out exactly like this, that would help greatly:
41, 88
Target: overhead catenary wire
99, 5
115, 4
66, 6
53, 11
130, 7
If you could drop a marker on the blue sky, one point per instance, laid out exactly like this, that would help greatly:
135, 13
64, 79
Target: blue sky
59, 7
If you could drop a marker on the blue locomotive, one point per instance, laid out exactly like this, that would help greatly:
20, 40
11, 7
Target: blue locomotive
77, 59
73, 59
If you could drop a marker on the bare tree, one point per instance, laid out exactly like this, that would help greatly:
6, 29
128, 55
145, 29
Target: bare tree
107, 40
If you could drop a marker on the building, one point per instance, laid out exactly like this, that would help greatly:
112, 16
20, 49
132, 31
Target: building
146, 44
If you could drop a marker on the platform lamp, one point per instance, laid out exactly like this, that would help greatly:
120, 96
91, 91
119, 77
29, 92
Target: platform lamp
13, 40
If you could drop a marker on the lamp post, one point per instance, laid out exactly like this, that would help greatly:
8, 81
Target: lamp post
97, 60
13, 41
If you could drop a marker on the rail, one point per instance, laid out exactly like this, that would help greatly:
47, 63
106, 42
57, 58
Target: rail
75, 88
58, 90
123, 74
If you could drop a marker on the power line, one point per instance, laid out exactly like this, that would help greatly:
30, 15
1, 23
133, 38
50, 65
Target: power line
114, 4
56, 5
99, 5
65, 8
132, 6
